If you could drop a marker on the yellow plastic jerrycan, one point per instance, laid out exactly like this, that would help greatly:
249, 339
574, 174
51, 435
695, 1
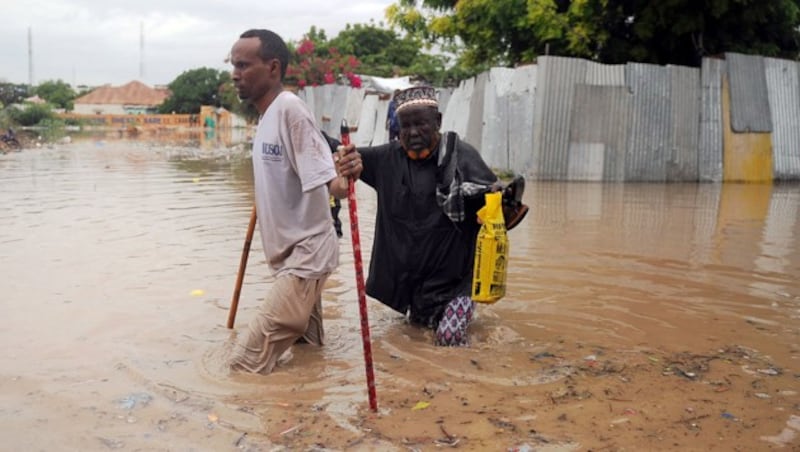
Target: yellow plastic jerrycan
491, 252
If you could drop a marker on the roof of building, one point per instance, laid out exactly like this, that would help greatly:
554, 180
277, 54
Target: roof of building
131, 93
35, 100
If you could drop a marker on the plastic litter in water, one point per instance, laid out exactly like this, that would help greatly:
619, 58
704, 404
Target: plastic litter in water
522, 448
131, 401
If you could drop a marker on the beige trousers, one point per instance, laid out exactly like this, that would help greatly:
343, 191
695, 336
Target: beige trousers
292, 310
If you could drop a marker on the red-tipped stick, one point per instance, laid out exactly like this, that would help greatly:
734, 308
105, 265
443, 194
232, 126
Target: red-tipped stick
362, 297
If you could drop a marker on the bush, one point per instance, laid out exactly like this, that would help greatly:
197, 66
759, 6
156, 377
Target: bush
51, 129
31, 114
74, 122
5, 120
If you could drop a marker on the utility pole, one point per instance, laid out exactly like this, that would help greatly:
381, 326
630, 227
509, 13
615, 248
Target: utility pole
141, 51
30, 57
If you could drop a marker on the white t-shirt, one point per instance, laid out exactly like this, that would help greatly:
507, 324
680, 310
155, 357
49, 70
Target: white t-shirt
292, 165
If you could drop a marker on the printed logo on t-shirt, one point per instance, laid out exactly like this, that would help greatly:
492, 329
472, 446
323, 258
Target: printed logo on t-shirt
271, 151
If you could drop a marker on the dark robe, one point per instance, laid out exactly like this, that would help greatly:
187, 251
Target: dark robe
421, 258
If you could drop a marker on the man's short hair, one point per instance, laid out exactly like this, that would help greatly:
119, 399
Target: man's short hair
272, 46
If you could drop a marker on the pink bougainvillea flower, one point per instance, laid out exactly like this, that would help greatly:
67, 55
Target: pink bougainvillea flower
306, 47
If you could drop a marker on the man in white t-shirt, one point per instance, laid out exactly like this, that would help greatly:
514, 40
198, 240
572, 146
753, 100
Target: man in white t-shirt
294, 175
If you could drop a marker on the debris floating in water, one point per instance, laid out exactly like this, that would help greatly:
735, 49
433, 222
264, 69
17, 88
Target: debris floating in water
421, 405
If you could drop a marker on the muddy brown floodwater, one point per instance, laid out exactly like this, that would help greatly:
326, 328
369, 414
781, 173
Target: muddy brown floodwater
637, 317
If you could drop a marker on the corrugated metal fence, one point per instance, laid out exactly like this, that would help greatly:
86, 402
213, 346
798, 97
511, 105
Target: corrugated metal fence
735, 119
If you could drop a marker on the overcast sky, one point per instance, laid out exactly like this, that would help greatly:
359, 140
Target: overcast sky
94, 42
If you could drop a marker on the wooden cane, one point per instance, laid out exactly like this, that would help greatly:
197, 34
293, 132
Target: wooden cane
242, 265
359, 267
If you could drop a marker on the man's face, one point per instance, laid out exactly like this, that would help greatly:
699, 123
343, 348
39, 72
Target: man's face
419, 127
251, 75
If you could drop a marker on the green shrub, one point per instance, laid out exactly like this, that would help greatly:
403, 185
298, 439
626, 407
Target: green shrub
51, 129
31, 114
5, 120
74, 122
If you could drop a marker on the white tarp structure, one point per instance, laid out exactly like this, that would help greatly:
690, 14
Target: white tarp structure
384, 85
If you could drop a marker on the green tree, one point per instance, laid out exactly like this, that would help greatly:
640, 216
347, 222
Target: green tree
485, 33
319, 40
194, 88
380, 50
509, 32
384, 53
11, 93
683, 31
57, 92
32, 114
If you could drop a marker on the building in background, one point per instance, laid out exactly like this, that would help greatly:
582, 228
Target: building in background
130, 99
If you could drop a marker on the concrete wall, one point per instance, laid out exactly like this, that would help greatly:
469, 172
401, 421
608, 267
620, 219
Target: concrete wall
103, 109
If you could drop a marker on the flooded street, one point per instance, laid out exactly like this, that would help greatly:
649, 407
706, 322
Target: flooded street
637, 317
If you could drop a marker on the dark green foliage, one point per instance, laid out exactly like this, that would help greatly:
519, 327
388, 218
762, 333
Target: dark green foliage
57, 92
197, 87
31, 114
683, 31
379, 51
11, 93
511, 32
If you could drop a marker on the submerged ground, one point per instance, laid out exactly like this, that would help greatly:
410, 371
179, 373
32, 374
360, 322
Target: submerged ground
637, 317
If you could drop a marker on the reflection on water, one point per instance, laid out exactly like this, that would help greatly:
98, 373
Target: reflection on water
119, 256
642, 261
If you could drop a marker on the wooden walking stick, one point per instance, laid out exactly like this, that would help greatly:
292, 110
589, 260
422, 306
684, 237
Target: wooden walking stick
242, 265
362, 297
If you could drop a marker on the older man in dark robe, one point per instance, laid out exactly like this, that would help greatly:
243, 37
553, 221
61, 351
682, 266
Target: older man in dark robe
429, 188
